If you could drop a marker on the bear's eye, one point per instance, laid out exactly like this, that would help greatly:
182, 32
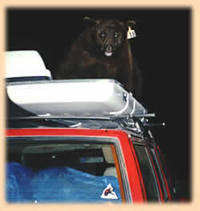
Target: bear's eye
116, 35
102, 35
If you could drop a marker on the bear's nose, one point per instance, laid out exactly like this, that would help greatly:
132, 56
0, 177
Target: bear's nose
108, 48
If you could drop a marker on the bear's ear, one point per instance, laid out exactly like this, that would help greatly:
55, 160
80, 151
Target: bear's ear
128, 24
131, 24
89, 21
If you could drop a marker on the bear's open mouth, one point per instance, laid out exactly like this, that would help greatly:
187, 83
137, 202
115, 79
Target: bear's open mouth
108, 51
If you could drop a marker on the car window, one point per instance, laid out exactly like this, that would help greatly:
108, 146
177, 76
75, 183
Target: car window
166, 171
159, 173
62, 172
148, 175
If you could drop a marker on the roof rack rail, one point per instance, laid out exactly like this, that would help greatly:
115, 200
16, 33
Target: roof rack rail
131, 123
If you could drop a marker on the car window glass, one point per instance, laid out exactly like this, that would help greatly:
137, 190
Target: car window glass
147, 173
165, 169
74, 172
159, 173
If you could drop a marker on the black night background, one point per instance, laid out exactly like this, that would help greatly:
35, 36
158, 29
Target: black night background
162, 49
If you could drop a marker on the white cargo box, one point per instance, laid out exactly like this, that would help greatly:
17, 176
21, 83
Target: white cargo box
25, 66
74, 98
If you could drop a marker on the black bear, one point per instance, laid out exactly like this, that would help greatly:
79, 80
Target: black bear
103, 51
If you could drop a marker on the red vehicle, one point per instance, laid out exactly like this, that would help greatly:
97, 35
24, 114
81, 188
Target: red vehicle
130, 162
80, 146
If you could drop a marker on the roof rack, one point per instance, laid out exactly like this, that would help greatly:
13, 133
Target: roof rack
57, 102
132, 124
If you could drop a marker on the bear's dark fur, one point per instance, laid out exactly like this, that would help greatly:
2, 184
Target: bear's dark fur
103, 51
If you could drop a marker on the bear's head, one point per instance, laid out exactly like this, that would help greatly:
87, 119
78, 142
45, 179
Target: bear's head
110, 35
